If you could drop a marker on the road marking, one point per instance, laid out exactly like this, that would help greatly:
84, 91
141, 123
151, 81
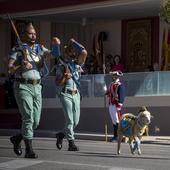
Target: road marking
79, 164
22, 163
121, 168
18, 163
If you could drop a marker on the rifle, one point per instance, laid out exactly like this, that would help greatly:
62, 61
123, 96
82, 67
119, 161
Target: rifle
12, 70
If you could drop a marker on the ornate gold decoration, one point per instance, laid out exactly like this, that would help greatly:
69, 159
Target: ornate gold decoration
165, 10
139, 44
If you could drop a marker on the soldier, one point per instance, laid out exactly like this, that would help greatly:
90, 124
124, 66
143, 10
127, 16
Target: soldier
116, 94
27, 58
75, 56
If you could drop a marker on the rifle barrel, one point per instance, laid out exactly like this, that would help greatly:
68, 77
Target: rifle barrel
13, 26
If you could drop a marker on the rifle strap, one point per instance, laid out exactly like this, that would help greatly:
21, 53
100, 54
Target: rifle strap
73, 77
38, 52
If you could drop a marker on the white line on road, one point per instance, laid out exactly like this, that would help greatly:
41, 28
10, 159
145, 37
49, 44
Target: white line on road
120, 168
18, 163
79, 164
21, 163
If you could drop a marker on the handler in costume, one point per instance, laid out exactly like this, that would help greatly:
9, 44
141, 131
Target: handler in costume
116, 95
27, 57
75, 56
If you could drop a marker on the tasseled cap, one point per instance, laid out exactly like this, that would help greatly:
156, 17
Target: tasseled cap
29, 26
116, 73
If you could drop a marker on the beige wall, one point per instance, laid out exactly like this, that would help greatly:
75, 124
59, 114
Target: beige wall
93, 119
113, 29
85, 34
45, 33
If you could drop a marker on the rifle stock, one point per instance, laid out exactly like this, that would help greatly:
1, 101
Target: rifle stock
12, 70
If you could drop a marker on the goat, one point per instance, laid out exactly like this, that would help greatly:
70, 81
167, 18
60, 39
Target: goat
133, 127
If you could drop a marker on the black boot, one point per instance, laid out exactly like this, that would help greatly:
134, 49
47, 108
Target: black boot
29, 153
16, 141
72, 146
115, 129
60, 136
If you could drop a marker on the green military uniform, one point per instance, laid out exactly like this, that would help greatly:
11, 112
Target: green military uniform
26, 62
70, 99
27, 89
70, 94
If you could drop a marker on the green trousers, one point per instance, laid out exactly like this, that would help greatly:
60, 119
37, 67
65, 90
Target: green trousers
29, 100
71, 108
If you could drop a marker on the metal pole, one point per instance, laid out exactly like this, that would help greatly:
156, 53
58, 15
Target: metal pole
104, 72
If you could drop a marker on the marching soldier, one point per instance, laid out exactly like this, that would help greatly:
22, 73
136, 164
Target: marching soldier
116, 95
75, 56
26, 60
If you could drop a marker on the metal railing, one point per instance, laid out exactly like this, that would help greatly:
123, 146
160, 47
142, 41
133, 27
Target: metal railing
136, 84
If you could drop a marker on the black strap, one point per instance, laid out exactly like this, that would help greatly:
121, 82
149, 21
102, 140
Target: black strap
61, 59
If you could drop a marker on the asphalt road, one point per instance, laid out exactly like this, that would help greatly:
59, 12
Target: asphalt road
93, 155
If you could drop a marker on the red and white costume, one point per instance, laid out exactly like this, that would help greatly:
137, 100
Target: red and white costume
116, 95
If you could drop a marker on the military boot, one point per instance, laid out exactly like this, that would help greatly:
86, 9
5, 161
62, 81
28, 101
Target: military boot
16, 141
29, 153
72, 146
59, 143
115, 129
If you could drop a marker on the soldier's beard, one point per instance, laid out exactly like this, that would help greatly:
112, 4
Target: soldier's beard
31, 42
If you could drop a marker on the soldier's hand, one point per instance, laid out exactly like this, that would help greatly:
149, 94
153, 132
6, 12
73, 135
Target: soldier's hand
56, 41
67, 75
12, 67
72, 40
27, 65
119, 106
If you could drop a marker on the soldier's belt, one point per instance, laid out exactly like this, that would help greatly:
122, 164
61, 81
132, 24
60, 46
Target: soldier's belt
72, 92
28, 81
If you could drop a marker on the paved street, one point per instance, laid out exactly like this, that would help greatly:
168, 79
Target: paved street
93, 155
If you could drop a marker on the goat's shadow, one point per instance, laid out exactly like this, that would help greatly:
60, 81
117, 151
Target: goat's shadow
110, 155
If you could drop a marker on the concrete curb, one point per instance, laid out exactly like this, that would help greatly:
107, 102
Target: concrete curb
164, 140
